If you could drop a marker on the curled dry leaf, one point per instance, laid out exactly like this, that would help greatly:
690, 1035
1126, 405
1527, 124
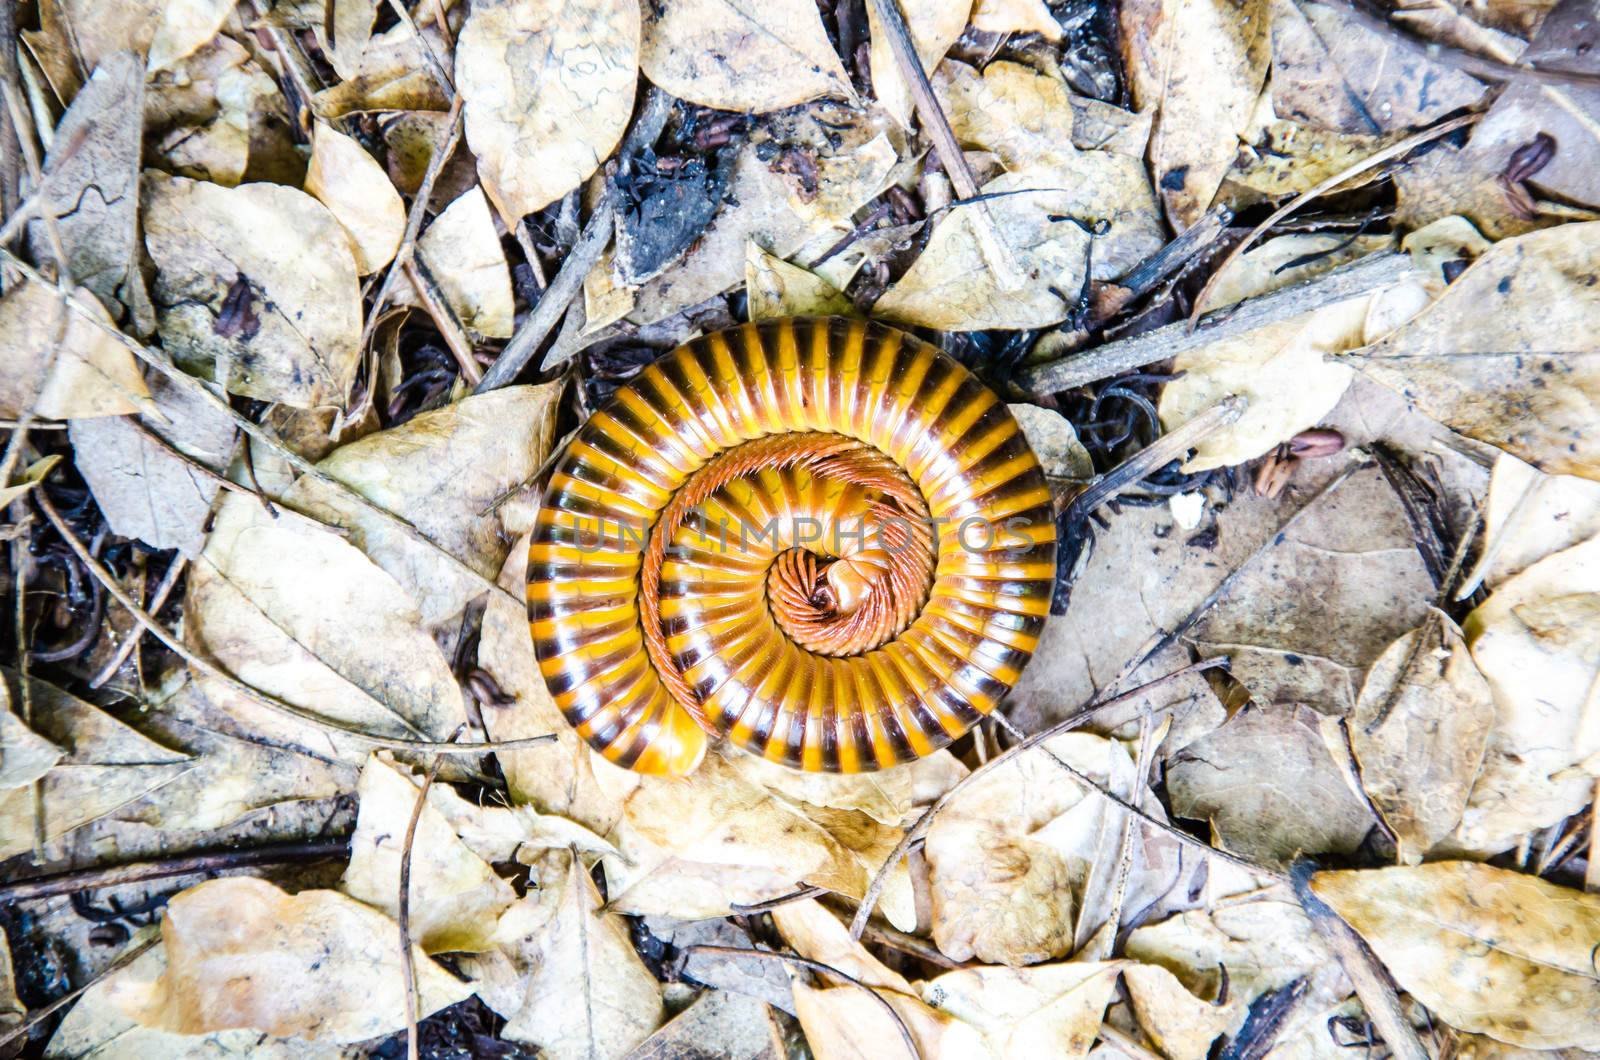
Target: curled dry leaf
1486, 949
58, 363
316, 965
354, 187
256, 287
462, 251
217, 116
287, 607
741, 55
1419, 731
549, 89
345, 41
1506, 354
779, 289
935, 25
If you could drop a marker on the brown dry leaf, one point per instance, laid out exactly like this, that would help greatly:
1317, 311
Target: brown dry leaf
1015, 16
287, 607
315, 965
1201, 65
95, 1029
393, 76
1269, 787
1529, 515
1505, 355
106, 766
1419, 731
935, 25
754, 55
92, 374
1486, 949
91, 178
166, 32
354, 187
589, 996
778, 289
143, 488
1179, 1024
456, 898
258, 288
1534, 640
351, 31
549, 90
1022, 1013
442, 471
462, 250
1330, 71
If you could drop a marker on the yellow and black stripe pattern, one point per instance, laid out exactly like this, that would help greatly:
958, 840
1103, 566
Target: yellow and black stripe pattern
823, 540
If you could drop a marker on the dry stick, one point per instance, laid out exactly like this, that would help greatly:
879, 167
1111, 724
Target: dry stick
825, 969
59, 883
1372, 983
1173, 256
157, 602
19, 562
1008, 274
1359, 277
580, 260
1372, 161
403, 913
869, 901
159, 360
39, 1015
216, 673
444, 317
1158, 454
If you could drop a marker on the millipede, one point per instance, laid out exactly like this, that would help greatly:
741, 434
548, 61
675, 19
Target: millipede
822, 540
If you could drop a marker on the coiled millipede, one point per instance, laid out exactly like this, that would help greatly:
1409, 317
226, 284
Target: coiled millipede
822, 540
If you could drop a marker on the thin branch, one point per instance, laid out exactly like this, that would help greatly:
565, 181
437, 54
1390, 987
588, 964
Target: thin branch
169, 580
444, 318
408, 965
59, 883
1174, 445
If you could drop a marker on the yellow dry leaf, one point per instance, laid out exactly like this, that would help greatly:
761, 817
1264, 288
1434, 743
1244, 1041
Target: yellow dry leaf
1530, 515
1200, 64
1020, 1013
1179, 1024
354, 187
315, 965
1486, 949
889, 796
165, 31
462, 250
549, 89
25, 756
1015, 16
1420, 743
351, 31
393, 76
754, 55
818, 935
1284, 158
1055, 443
779, 289
1506, 354
217, 116
844, 1023
57, 362
935, 25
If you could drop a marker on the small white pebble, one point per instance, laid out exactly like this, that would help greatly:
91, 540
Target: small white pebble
1187, 509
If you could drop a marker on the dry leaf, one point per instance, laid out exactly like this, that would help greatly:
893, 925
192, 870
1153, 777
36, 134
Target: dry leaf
316, 965
1179, 1024
779, 289
889, 796
143, 488
456, 898
1486, 949
844, 1023
1505, 354
1021, 1013
58, 363
25, 756
549, 90
287, 607
354, 187
165, 31
1419, 731
935, 25
1015, 16
258, 288
350, 33
818, 935
741, 1027
589, 995
393, 76
1288, 260
754, 55
442, 471
462, 250
1282, 159
1529, 515
1055, 443
1200, 64
1269, 787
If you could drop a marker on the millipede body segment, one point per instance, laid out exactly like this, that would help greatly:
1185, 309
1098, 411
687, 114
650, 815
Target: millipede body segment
823, 540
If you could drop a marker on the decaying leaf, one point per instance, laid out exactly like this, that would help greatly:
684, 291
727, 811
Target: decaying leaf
287, 607
1486, 949
59, 363
1419, 731
1505, 354
255, 286
462, 251
316, 965
354, 187
756, 55
934, 25
779, 289
549, 89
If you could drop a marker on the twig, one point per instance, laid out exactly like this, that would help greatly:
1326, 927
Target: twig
1150, 272
59, 883
580, 260
919, 828
216, 673
163, 590
444, 317
1008, 275
39, 1015
1173, 445
19, 572
1372, 983
403, 914
1372, 161
1337, 285
817, 966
